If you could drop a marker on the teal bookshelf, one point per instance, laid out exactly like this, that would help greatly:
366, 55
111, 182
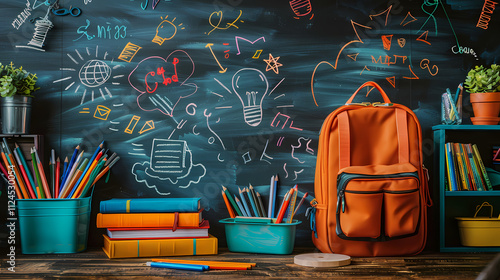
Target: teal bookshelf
462, 203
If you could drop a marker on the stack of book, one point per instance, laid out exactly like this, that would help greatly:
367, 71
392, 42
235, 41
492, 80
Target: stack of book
153, 227
465, 169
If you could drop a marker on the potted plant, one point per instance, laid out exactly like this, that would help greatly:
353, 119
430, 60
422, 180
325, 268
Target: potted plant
16, 89
483, 84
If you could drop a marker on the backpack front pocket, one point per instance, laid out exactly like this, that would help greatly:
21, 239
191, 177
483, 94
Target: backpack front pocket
377, 203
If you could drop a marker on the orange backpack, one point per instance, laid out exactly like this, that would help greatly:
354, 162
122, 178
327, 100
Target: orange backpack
371, 189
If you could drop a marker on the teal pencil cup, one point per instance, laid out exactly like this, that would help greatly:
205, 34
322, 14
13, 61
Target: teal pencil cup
53, 226
269, 238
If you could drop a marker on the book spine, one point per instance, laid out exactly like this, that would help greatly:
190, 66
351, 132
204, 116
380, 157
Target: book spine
149, 205
147, 220
483, 168
160, 247
451, 169
463, 178
468, 168
475, 169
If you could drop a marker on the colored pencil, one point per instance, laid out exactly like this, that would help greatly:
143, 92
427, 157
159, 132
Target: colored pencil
300, 203
25, 175
52, 165
17, 173
293, 200
91, 161
70, 165
271, 193
90, 182
51, 177
77, 174
252, 202
86, 175
254, 197
65, 168
284, 206
240, 206
107, 167
65, 191
26, 167
45, 184
261, 204
5, 174
231, 200
6, 162
228, 206
57, 175
275, 192
192, 267
212, 264
244, 202
39, 188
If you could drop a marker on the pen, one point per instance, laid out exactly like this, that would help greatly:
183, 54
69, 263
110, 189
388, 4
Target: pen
192, 267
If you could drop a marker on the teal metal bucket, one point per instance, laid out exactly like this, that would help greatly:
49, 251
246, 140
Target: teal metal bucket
53, 226
16, 114
269, 238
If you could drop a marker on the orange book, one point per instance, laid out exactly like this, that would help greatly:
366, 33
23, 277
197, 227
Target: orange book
160, 247
190, 219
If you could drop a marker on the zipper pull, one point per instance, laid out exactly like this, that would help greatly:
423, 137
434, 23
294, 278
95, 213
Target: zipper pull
361, 104
341, 203
380, 104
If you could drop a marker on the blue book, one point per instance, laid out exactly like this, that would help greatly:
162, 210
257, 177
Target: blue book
150, 205
451, 167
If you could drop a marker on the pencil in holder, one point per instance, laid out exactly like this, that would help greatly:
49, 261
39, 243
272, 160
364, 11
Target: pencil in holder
451, 111
53, 226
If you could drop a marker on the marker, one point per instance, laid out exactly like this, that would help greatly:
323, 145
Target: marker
192, 267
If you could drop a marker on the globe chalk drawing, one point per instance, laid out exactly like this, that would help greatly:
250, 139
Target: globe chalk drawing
94, 73
92, 77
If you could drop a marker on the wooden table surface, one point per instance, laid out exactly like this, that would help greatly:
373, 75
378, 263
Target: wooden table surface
94, 264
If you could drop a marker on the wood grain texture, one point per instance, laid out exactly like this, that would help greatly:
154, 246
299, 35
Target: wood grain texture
93, 264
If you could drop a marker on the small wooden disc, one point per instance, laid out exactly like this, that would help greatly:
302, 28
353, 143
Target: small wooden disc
322, 260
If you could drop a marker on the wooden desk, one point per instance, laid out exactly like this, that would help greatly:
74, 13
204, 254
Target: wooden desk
94, 264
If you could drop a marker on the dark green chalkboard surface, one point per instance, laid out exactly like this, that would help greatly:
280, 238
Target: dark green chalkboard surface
235, 90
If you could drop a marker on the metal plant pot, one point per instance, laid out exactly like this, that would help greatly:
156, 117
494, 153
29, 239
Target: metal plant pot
16, 114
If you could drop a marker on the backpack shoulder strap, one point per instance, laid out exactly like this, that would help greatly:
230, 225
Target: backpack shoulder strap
345, 138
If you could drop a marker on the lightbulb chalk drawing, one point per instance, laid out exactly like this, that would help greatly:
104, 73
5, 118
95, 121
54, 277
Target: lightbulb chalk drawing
250, 85
165, 31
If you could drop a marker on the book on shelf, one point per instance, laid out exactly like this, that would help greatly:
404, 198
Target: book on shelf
200, 231
160, 247
151, 220
482, 167
150, 205
465, 170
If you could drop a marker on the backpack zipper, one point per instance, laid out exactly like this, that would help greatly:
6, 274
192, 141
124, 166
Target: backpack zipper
345, 178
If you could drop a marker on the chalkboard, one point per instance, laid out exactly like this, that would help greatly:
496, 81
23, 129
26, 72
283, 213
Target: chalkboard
236, 91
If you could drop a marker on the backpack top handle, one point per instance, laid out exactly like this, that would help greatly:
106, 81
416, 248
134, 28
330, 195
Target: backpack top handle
373, 84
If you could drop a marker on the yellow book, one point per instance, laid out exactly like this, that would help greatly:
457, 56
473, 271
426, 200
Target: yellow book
479, 160
159, 247
462, 171
190, 219
447, 167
